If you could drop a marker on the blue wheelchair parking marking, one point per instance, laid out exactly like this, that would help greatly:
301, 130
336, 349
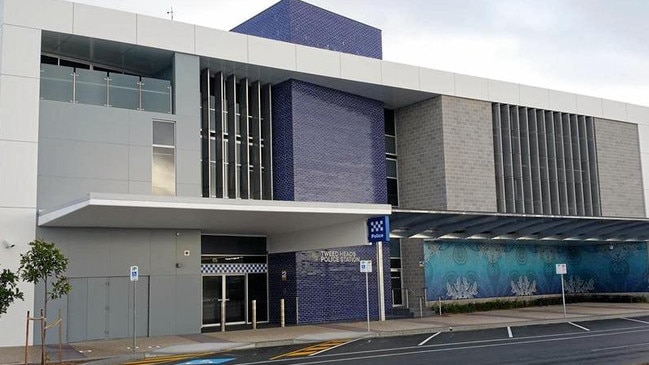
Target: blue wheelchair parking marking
207, 361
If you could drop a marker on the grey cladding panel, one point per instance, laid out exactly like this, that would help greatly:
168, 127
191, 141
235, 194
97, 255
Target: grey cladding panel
620, 172
188, 298
163, 304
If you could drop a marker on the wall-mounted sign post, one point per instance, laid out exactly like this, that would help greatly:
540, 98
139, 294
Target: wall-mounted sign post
135, 275
366, 267
378, 231
562, 270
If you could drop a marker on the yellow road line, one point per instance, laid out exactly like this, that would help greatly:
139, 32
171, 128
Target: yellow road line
312, 350
164, 359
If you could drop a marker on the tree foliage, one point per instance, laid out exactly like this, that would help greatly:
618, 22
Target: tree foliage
44, 262
9, 291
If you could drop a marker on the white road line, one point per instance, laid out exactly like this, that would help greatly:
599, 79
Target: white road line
334, 347
636, 320
620, 347
578, 326
509, 332
428, 339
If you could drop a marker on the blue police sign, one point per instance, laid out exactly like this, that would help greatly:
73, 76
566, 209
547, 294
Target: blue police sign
378, 229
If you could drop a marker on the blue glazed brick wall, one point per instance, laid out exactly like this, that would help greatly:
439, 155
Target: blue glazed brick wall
337, 152
282, 104
301, 23
278, 289
327, 290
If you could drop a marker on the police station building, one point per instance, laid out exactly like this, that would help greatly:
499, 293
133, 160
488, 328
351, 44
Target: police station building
241, 166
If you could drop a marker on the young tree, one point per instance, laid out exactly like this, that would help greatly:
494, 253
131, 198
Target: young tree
44, 262
9, 291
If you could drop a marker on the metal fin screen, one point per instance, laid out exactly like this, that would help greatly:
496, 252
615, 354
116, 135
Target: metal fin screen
546, 162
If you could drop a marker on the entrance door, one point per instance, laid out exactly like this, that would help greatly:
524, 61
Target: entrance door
230, 289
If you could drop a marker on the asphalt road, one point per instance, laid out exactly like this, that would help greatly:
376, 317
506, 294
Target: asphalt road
617, 341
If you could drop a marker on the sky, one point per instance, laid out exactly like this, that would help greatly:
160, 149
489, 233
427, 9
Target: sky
591, 47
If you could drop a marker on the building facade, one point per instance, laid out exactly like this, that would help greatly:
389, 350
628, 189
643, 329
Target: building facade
242, 166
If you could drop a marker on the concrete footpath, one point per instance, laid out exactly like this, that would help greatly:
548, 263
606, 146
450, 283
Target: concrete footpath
117, 351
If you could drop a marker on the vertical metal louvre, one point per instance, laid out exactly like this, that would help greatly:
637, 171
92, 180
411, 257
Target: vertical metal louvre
545, 162
236, 137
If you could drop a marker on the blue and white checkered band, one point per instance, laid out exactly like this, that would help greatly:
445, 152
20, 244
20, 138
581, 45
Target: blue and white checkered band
376, 226
234, 268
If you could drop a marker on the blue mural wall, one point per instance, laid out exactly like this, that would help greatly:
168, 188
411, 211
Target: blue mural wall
467, 270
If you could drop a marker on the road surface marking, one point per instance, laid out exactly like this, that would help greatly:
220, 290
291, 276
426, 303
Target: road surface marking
428, 339
313, 349
336, 346
162, 359
620, 347
578, 326
636, 320
509, 332
422, 350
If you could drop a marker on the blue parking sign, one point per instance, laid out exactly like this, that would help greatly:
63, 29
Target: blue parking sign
135, 275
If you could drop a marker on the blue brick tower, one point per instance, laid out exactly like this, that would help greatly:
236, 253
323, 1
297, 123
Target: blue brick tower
328, 146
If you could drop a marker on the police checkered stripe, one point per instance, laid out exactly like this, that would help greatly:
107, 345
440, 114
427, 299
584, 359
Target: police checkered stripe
234, 268
376, 226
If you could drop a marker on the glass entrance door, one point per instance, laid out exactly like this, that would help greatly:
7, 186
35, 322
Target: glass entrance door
230, 289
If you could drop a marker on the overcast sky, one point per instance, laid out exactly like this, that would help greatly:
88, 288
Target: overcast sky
592, 47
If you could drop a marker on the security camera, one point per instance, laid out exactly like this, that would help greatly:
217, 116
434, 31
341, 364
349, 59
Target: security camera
8, 244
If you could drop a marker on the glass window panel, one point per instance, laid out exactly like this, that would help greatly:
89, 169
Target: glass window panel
389, 122
156, 95
91, 87
395, 248
390, 145
56, 83
164, 171
163, 133
124, 91
391, 168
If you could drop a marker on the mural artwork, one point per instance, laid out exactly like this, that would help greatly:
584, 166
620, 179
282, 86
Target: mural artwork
468, 270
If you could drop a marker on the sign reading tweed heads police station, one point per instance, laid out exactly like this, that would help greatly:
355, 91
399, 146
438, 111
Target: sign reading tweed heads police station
378, 229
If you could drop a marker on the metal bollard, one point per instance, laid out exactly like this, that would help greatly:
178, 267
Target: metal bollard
421, 308
297, 311
254, 314
282, 319
223, 316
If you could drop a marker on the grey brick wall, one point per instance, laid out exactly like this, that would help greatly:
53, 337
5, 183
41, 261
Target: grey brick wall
469, 155
412, 252
446, 158
620, 172
420, 147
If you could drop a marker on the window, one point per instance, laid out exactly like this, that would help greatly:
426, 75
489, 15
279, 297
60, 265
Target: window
391, 158
163, 175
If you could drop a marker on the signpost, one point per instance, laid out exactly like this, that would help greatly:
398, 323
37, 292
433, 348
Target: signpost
366, 267
378, 231
135, 276
562, 270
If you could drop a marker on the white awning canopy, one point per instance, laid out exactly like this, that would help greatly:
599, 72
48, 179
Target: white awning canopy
289, 225
476, 225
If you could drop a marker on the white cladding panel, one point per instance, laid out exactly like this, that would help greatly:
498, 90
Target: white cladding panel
21, 51
266, 52
358, 68
535, 97
615, 110
563, 101
51, 15
317, 61
436, 81
504, 92
104, 23
471, 87
165, 34
400, 75
221, 44
588, 105
18, 117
